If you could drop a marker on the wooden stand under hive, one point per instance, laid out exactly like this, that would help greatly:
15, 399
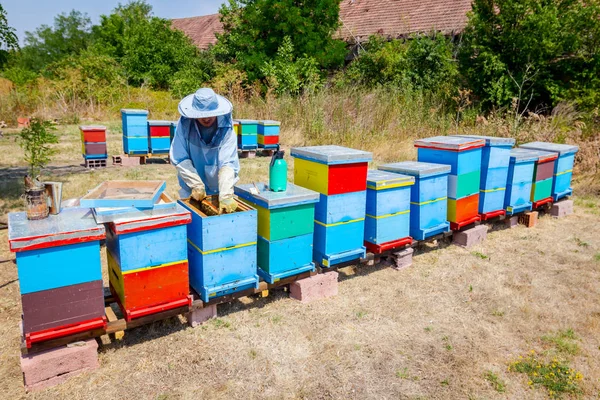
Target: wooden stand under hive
58, 262
285, 229
428, 197
222, 251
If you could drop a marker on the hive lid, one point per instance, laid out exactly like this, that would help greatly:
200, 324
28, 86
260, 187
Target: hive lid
269, 123
453, 143
561, 149
174, 217
248, 121
163, 205
90, 128
139, 194
294, 195
236, 122
377, 179
492, 141
520, 155
72, 225
544, 156
331, 154
133, 111
159, 123
416, 168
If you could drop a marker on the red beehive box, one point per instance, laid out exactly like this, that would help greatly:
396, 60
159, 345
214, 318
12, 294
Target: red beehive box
93, 133
159, 128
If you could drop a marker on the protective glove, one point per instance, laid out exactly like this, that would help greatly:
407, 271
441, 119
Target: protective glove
226, 182
227, 205
199, 193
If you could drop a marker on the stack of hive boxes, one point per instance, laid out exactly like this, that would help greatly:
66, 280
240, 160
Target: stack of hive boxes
268, 134
519, 181
428, 197
543, 177
93, 145
222, 251
60, 275
387, 224
339, 175
159, 137
495, 159
563, 168
285, 228
463, 155
247, 134
135, 131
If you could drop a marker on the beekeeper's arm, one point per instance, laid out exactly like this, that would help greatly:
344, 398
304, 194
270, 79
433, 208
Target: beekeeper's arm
229, 168
180, 158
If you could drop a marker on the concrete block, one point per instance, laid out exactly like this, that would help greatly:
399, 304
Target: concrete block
562, 208
470, 237
316, 287
403, 258
248, 154
512, 222
127, 161
529, 218
52, 367
201, 315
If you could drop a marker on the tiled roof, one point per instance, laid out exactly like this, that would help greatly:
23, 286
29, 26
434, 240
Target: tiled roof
201, 29
361, 19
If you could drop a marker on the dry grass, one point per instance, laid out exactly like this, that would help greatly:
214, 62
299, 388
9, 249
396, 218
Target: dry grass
435, 330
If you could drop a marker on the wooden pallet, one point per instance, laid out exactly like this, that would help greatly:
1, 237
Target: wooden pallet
247, 153
144, 157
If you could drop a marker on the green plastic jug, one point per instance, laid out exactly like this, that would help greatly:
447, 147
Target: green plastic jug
278, 172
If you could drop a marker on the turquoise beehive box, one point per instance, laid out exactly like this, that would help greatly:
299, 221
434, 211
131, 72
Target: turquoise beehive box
285, 237
520, 180
387, 223
563, 169
248, 134
428, 197
495, 159
222, 251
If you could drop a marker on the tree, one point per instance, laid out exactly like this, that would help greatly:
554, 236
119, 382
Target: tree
255, 30
8, 38
70, 35
533, 53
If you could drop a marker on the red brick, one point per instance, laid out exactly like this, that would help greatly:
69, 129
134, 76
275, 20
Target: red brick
316, 287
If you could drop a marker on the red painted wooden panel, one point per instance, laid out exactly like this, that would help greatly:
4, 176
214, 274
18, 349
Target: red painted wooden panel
94, 136
271, 139
155, 286
160, 131
347, 178
467, 207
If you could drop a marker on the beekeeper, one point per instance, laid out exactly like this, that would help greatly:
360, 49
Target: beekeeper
204, 149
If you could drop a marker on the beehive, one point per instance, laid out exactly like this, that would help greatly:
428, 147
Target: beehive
519, 182
147, 262
339, 175
60, 275
387, 223
268, 134
563, 168
248, 134
495, 159
543, 177
135, 131
428, 196
463, 155
159, 138
285, 228
222, 251
93, 142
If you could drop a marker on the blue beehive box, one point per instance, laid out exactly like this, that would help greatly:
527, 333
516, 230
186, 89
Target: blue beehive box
563, 168
428, 197
222, 251
495, 159
282, 215
135, 131
520, 180
387, 223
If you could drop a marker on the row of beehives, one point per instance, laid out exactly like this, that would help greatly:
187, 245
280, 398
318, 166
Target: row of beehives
253, 134
334, 210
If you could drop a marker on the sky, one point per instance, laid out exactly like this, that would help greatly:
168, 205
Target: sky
26, 15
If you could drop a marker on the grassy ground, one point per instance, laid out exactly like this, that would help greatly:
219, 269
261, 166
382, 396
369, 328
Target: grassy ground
448, 327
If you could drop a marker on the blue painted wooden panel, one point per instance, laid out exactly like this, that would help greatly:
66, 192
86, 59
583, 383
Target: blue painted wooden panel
135, 145
428, 219
338, 238
268, 130
341, 207
429, 188
565, 163
461, 162
220, 273
520, 172
94, 156
59, 266
160, 144
562, 176
495, 157
517, 197
222, 231
148, 248
387, 229
491, 201
494, 178
248, 140
285, 255
134, 124
388, 201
